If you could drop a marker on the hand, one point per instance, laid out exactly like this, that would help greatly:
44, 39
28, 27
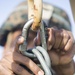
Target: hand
60, 46
10, 63
61, 49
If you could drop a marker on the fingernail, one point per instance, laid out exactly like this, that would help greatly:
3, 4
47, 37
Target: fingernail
41, 73
21, 39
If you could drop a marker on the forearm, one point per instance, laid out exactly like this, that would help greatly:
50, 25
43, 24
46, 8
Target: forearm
65, 69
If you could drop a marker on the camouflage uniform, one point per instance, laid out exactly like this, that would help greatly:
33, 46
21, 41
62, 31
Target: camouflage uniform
52, 16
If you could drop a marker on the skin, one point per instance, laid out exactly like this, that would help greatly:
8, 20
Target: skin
12, 58
60, 50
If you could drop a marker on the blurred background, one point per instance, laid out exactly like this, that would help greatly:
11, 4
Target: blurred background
7, 6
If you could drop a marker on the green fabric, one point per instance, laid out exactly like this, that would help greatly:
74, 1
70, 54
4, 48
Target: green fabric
20, 16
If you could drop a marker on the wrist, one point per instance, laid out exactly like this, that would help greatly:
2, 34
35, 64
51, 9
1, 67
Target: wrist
67, 69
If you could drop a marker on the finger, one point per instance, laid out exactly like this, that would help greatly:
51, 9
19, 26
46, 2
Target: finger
58, 39
54, 57
5, 71
19, 70
28, 63
16, 68
65, 38
18, 42
51, 38
70, 42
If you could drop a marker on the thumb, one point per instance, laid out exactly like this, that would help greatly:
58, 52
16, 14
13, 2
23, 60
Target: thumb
18, 42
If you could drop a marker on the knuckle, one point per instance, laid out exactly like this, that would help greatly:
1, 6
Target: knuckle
66, 35
27, 60
19, 70
51, 41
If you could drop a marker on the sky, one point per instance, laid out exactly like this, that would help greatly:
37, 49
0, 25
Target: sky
7, 6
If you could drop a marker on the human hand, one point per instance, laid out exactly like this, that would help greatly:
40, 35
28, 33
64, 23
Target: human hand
10, 63
60, 46
61, 49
